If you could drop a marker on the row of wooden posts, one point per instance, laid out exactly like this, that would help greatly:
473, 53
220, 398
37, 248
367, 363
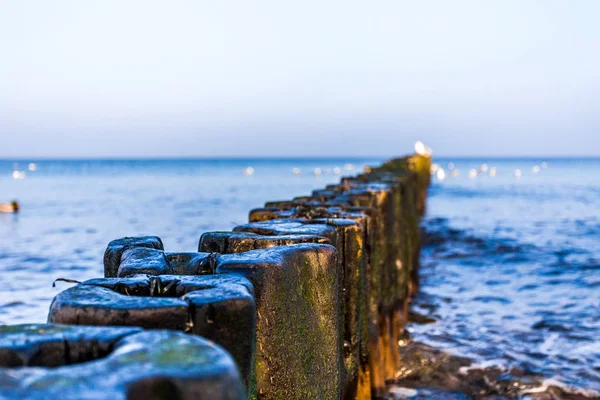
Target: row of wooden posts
306, 301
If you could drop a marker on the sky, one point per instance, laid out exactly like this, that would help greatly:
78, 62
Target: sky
200, 78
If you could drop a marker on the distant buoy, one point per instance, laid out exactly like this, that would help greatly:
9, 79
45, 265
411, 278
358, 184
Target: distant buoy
9, 208
32, 166
518, 173
296, 171
249, 171
337, 171
317, 171
473, 173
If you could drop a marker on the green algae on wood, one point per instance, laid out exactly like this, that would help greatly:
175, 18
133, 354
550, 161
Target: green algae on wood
73, 362
297, 297
347, 237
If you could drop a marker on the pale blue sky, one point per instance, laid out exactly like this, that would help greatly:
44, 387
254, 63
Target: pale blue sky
252, 78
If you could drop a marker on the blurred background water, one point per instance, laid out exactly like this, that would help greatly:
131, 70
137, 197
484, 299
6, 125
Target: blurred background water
511, 262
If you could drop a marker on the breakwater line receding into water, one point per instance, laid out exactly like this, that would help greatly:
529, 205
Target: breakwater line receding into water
307, 300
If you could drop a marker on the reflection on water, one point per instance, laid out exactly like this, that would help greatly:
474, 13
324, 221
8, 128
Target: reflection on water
511, 275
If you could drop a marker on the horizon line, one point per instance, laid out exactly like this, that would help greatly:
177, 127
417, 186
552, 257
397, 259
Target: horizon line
277, 158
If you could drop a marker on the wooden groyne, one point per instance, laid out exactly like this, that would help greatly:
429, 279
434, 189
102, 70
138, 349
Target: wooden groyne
306, 301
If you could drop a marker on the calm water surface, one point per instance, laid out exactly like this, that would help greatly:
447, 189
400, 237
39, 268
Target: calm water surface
511, 267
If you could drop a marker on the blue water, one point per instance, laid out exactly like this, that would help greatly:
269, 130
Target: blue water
511, 267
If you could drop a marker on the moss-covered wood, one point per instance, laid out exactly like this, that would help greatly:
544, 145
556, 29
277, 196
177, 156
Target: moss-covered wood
60, 362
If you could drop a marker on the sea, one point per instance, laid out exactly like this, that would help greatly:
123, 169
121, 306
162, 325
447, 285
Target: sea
510, 263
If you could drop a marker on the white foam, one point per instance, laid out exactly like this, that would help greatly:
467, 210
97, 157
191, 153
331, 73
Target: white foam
399, 392
548, 383
498, 364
